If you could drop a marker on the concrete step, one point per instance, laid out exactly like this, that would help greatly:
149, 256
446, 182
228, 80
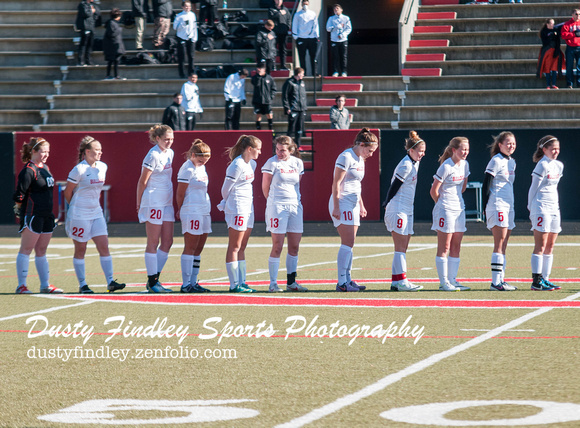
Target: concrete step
55, 44
38, 17
32, 73
29, 31
493, 124
476, 38
19, 117
476, 81
517, 23
22, 102
498, 66
217, 57
476, 52
27, 58
542, 8
25, 87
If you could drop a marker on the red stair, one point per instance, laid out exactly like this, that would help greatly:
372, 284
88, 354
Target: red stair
437, 15
342, 87
421, 72
433, 29
425, 57
428, 43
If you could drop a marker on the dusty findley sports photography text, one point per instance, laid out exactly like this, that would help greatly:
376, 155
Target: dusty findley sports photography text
216, 327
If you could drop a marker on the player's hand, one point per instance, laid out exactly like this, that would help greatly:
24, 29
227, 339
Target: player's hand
16, 208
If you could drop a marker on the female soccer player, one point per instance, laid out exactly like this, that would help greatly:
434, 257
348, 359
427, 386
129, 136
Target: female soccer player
545, 210
346, 206
155, 204
84, 218
33, 197
498, 200
399, 210
238, 204
449, 183
281, 175
193, 207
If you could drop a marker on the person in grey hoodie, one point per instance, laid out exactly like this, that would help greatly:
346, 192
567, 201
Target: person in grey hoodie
339, 115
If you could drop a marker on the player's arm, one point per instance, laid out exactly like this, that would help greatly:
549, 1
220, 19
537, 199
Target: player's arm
339, 175
266, 182
486, 190
180, 196
69, 190
434, 192
142, 184
393, 189
363, 210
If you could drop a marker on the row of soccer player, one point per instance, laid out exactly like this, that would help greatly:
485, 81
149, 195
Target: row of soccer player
281, 187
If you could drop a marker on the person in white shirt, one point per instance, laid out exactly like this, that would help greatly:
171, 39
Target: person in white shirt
399, 205
155, 204
238, 205
281, 175
498, 202
346, 205
190, 101
84, 218
193, 207
186, 32
306, 33
339, 27
449, 183
235, 95
544, 208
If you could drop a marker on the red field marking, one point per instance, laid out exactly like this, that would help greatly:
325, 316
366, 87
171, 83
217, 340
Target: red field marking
237, 300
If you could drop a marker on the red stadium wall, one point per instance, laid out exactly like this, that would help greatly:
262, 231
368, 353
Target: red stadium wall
123, 152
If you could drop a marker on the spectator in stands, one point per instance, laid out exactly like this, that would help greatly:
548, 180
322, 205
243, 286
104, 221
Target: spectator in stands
174, 115
266, 46
339, 115
264, 92
306, 33
339, 28
282, 19
186, 28
235, 95
190, 102
162, 11
88, 17
113, 46
571, 34
295, 104
551, 57
207, 11
140, 9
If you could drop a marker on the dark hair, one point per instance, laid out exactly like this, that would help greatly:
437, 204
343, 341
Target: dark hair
298, 70
176, 94
340, 96
453, 144
197, 147
270, 23
545, 25
544, 143
158, 131
285, 140
33, 145
261, 65
115, 13
337, 5
86, 144
241, 145
365, 138
413, 140
192, 74
494, 148
243, 72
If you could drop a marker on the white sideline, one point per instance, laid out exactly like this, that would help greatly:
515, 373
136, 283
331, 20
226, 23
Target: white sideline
44, 311
367, 391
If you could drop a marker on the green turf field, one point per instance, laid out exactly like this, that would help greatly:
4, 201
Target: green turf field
511, 359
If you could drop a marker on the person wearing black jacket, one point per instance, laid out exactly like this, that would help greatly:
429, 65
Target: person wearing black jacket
207, 9
88, 17
113, 46
282, 19
162, 11
140, 10
266, 46
264, 92
295, 104
174, 116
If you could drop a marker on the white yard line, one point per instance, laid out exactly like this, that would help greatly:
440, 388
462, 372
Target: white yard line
383, 383
44, 311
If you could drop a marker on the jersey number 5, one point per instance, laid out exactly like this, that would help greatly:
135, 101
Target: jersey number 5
500, 216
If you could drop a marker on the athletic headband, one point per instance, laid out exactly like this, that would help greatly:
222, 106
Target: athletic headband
546, 142
40, 141
418, 141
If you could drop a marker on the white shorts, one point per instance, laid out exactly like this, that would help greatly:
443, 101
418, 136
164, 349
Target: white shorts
156, 215
195, 224
240, 222
349, 213
501, 219
85, 230
284, 218
448, 221
400, 223
546, 223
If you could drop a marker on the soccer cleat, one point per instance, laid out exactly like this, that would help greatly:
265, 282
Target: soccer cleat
551, 284
335, 74
460, 287
541, 285
406, 286
23, 289
344, 75
200, 289
346, 287
187, 289
296, 287
360, 287
114, 286
242, 288
448, 287
85, 290
158, 288
502, 286
51, 289
275, 289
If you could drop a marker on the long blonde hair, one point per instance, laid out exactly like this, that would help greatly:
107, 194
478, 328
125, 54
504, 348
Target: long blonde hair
158, 131
453, 144
241, 145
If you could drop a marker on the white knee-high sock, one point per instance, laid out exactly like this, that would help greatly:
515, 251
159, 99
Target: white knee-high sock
342, 261
151, 263
291, 264
504, 265
241, 271
453, 268
43, 271
107, 266
22, 263
547, 260
79, 265
273, 267
496, 268
536, 263
195, 269
399, 267
162, 257
441, 264
186, 267
232, 269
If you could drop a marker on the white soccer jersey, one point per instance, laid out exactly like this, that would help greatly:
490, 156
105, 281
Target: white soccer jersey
85, 204
196, 199
452, 176
406, 171
503, 170
241, 196
545, 199
159, 189
285, 186
350, 188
